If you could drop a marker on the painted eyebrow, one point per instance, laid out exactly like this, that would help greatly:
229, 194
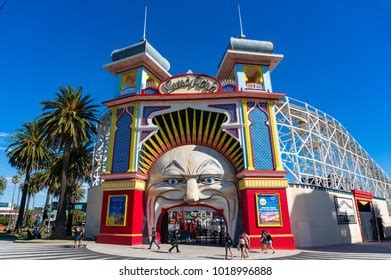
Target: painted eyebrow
211, 162
175, 165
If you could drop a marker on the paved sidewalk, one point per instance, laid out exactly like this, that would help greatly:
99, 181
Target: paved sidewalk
63, 249
187, 252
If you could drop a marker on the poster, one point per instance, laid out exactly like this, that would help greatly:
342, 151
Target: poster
345, 210
116, 210
268, 210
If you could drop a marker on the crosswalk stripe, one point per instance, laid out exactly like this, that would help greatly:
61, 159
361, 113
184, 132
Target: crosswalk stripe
90, 257
35, 256
27, 251
40, 251
62, 257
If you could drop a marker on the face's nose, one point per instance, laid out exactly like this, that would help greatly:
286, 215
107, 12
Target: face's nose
191, 191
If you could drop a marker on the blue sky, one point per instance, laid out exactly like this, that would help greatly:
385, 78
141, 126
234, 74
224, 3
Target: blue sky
337, 54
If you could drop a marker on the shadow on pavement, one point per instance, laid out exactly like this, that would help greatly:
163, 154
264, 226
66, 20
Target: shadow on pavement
383, 247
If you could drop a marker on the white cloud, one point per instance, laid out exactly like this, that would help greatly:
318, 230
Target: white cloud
3, 134
3, 149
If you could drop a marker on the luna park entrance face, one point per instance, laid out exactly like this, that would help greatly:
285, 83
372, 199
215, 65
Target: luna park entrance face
194, 225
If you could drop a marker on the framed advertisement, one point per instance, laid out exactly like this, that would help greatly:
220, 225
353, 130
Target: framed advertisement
116, 210
268, 210
345, 210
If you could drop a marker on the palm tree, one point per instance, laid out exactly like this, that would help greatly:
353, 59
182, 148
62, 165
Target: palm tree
48, 178
75, 194
15, 180
33, 189
79, 172
3, 185
67, 122
27, 152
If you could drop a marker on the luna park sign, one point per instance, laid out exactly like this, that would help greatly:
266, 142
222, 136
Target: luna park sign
190, 83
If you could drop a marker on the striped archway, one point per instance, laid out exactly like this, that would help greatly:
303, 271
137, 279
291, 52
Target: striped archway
190, 126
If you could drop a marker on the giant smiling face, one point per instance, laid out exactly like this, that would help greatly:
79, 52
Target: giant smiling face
192, 175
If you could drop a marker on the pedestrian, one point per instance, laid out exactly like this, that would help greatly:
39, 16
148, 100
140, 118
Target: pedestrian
242, 246
174, 242
263, 240
269, 241
78, 232
153, 239
247, 243
36, 234
228, 245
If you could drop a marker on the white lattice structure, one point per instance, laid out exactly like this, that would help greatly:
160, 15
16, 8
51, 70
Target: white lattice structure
101, 149
318, 151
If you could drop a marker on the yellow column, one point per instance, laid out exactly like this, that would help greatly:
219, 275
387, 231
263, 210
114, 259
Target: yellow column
249, 151
273, 127
111, 141
132, 156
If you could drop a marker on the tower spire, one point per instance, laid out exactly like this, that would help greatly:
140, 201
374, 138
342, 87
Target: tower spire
240, 22
145, 23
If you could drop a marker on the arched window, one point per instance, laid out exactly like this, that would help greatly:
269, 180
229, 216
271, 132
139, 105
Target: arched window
260, 139
123, 134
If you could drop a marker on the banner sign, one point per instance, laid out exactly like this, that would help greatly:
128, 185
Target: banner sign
345, 210
190, 83
268, 210
116, 210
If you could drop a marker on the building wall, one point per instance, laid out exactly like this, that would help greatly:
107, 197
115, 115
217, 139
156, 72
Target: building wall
94, 208
314, 220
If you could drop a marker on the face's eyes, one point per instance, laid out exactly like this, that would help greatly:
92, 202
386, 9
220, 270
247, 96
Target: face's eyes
210, 180
207, 180
173, 181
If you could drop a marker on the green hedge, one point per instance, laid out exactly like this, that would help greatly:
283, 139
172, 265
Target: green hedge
4, 221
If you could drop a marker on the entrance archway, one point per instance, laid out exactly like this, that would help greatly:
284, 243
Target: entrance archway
190, 189
197, 225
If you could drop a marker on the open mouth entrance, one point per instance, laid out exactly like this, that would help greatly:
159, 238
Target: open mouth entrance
199, 225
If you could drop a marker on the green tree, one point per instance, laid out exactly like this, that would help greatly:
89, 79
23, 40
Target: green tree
78, 217
79, 172
47, 178
15, 180
3, 185
33, 189
27, 152
67, 122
